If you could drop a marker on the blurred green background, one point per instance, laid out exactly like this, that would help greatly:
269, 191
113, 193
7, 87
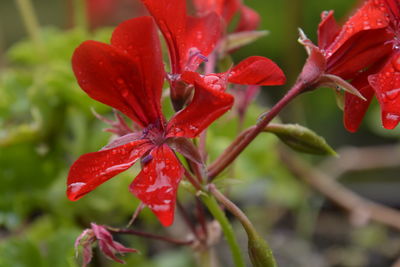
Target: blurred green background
46, 123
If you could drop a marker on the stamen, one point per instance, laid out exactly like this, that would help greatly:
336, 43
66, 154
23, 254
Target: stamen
195, 58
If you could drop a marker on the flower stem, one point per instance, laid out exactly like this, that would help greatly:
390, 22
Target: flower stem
30, 20
219, 215
149, 235
243, 140
252, 233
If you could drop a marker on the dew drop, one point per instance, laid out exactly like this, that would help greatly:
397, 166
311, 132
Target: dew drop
384, 98
393, 94
393, 117
75, 187
379, 22
366, 26
193, 128
211, 79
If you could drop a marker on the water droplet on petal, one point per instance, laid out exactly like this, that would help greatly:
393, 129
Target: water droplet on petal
75, 187
393, 117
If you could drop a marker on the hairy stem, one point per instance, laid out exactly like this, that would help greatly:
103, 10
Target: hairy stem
246, 223
243, 140
150, 235
219, 215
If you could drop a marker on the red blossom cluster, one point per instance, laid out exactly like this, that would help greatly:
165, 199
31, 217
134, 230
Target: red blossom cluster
129, 74
364, 52
362, 57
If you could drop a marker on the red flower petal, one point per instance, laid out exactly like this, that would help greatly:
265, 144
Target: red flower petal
394, 8
386, 84
328, 29
207, 105
224, 8
257, 70
157, 183
372, 15
93, 169
203, 34
354, 107
170, 16
359, 52
249, 20
112, 77
139, 39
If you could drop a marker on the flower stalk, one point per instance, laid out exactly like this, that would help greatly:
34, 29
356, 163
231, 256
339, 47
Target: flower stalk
150, 236
219, 215
243, 140
259, 250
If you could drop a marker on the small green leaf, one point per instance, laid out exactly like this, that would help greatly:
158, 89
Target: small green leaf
237, 40
301, 139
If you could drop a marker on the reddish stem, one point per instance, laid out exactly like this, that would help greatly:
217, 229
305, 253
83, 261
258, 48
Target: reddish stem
149, 235
243, 140
192, 180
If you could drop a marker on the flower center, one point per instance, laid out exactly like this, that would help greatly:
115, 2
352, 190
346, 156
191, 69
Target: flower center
155, 133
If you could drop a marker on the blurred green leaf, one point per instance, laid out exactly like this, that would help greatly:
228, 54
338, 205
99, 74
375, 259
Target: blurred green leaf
239, 39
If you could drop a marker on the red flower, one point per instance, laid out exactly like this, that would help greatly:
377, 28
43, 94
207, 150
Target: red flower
350, 53
253, 70
106, 243
128, 75
187, 37
249, 19
386, 82
191, 39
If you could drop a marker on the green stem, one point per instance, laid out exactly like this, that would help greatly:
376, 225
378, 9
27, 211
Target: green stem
80, 15
31, 23
259, 251
219, 215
